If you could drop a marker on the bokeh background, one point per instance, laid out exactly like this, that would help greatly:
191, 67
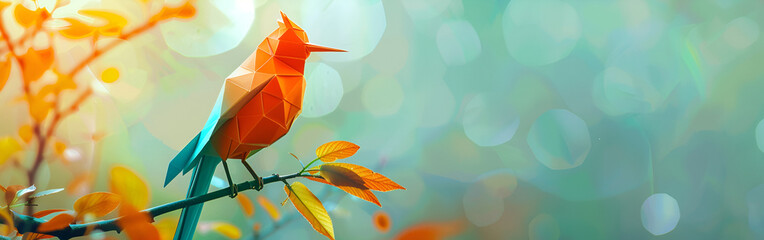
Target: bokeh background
522, 119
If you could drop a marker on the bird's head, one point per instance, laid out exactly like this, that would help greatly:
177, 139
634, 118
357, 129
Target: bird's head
297, 41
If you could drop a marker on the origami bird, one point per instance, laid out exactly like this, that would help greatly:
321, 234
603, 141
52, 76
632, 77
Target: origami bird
256, 106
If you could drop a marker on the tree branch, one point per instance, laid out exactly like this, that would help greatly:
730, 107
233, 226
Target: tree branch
25, 223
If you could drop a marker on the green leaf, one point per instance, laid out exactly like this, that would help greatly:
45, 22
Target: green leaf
47, 192
23, 192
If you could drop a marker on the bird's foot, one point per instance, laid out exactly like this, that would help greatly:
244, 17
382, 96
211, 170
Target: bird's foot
234, 191
260, 184
259, 179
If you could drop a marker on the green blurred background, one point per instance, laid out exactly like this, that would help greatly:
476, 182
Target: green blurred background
523, 119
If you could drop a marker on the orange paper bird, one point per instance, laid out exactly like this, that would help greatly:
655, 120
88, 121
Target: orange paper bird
256, 106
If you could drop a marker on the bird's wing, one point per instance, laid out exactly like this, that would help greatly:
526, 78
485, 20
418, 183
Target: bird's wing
180, 161
213, 123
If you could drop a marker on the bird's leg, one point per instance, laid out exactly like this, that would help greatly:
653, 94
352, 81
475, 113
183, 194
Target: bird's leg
234, 189
254, 175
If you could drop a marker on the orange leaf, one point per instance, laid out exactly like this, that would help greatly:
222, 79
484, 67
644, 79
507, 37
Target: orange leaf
372, 180
5, 71
186, 11
311, 208
34, 236
60, 147
246, 204
321, 180
99, 204
381, 221
25, 132
227, 229
44, 213
79, 185
39, 108
24, 16
136, 224
348, 181
129, 186
166, 227
56, 223
430, 231
76, 29
269, 207
110, 75
36, 62
10, 193
114, 22
332, 151
142, 230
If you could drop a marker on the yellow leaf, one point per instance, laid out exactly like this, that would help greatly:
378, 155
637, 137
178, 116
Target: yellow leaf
64, 82
166, 227
372, 180
76, 29
227, 229
269, 207
110, 75
114, 22
8, 147
348, 181
246, 204
24, 16
56, 223
129, 186
26, 133
98, 203
7, 219
5, 71
332, 151
311, 208
60, 147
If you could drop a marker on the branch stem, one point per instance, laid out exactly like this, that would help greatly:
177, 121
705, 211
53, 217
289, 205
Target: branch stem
26, 223
307, 166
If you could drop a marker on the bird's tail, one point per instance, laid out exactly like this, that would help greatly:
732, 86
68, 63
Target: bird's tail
200, 183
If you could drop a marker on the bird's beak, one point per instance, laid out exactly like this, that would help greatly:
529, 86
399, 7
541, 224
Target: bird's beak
316, 48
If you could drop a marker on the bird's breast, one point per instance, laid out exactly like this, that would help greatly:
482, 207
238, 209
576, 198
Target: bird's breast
263, 119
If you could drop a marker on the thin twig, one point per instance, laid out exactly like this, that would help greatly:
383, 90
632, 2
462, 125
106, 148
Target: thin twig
26, 223
98, 52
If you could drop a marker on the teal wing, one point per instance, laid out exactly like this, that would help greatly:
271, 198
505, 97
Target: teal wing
179, 161
209, 128
189, 157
